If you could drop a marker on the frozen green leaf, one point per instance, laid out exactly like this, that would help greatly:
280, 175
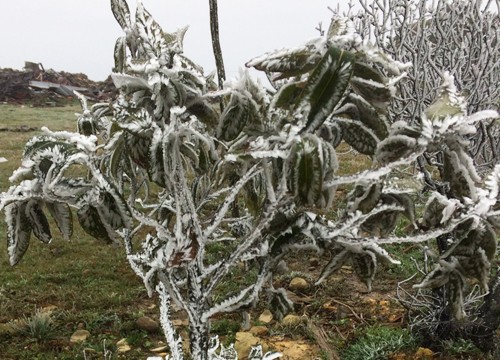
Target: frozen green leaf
38, 221
433, 212
333, 265
458, 176
325, 87
395, 147
288, 62
364, 197
382, 223
120, 55
90, 221
376, 93
369, 116
306, 172
288, 95
114, 210
488, 242
455, 295
365, 267
156, 170
331, 132
204, 112
436, 278
361, 138
476, 266
234, 118
18, 231
116, 158
137, 148
176, 40
121, 13
86, 125
406, 202
256, 194
63, 217
367, 72
280, 304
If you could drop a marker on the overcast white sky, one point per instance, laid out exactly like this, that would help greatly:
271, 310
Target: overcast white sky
79, 35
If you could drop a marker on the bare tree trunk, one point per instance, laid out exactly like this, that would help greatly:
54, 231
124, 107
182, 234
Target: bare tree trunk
214, 30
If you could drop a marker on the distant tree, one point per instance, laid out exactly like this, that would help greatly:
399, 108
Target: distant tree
458, 36
163, 172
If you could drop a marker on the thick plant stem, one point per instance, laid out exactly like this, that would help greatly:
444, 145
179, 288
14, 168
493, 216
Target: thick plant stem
198, 340
198, 327
174, 341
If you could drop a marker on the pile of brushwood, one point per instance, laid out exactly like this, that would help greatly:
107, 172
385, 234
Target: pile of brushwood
36, 86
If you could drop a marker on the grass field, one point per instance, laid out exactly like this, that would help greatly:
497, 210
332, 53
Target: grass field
82, 284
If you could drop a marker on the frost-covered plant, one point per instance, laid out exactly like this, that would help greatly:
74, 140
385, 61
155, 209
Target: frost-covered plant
469, 204
166, 173
459, 36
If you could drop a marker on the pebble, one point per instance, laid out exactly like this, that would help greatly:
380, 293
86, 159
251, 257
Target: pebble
259, 330
298, 284
266, 317
291, 320
122, 346
147, 324
79, 336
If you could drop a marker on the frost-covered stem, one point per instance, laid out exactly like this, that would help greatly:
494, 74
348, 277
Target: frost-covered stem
198, 340
373, 175
214, 30
254, 236
254, 170
174, 342
187, 199
340, 235
269, 182
246, 296
198, 325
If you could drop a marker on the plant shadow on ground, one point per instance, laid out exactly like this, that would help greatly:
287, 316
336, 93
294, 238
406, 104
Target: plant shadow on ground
84, 284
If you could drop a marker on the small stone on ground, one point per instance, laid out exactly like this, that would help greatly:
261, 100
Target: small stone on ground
244, 343
79, 336
298, 284
147, 324
291, 320
259, 330
122, 346
266, 317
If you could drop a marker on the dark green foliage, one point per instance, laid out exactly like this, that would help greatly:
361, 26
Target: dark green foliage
234, 118
62, 216
38, 221
18, 231
326, 86
359, 136
90, 221
306, 172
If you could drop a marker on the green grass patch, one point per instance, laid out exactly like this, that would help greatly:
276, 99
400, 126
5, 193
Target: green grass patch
378, 343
